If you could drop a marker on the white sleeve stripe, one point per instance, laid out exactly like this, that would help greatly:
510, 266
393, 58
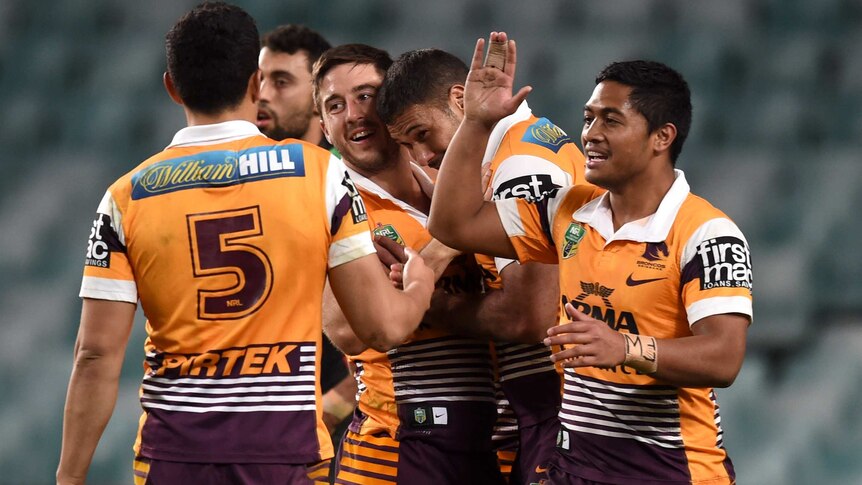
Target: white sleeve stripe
109, 207
501, 263
350, 248
509, 216
719, 305
108, 289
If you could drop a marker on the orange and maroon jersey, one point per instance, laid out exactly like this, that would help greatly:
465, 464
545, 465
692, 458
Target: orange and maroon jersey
435, 387
226, 238
656, 277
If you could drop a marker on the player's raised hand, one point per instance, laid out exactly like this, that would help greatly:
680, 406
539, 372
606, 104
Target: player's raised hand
488, 91
415, 273
586, 342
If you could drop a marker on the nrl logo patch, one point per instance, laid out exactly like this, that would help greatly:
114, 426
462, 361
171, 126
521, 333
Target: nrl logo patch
572, 238
419, 415
388, 231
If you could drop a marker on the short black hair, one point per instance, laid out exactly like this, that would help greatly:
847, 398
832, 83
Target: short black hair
347, 54
418, 77
659, 93
212, 52
292, 38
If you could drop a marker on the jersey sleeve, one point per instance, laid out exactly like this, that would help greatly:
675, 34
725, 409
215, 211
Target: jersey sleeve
528, 224
107, 272
348, 219
520, 176
716, 274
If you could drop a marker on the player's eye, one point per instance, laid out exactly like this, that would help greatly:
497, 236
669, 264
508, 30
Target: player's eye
334, 107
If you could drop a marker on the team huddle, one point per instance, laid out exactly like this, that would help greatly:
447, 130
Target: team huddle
512, 308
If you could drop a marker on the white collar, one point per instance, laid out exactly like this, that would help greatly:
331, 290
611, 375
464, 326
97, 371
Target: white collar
522, 113
655, 228
425, 183
215, 133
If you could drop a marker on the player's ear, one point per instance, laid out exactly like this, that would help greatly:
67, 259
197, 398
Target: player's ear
663, 137
254, 86
325, 130
456, 98
171, 89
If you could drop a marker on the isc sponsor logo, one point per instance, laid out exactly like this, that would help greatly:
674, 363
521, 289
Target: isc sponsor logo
725, 262
249, 361
546, 134
528, 186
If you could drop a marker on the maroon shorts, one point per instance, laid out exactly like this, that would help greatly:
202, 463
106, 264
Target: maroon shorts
159, 472
381, 459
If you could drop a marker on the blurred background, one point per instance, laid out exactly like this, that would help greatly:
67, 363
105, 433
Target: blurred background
777, 88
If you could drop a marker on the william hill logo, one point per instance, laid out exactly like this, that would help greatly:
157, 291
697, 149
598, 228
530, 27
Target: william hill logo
218, 168
546, 134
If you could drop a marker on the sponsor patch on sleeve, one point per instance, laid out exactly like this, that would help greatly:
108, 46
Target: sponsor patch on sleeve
721, 262
546, 134
351, 203
102, 242
531, 187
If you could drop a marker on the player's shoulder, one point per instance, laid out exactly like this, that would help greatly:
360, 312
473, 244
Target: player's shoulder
538, 135
695, 210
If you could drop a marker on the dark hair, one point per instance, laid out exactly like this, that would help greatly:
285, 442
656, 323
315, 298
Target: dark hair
658, 92
212, 52
418, 77
292, 38
347, 54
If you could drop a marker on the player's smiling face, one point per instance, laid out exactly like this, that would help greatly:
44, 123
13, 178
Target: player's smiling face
425, 130
615, 137
350, 120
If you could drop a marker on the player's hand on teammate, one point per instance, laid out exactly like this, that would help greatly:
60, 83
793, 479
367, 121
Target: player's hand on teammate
413, 273
586, 342
488, 91
389, 252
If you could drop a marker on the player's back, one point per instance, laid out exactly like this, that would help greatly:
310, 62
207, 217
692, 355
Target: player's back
227, 245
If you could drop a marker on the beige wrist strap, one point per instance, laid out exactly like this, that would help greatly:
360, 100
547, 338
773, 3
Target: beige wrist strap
641, 353
496, 55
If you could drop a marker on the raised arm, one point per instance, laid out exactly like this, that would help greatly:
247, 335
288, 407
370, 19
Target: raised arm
460, 217
99, 350
380, 315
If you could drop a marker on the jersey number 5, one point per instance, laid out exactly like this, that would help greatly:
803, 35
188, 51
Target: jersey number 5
241, 273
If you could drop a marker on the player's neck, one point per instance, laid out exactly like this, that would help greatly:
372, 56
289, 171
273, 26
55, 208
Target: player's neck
245, 111
400, 182
640, 197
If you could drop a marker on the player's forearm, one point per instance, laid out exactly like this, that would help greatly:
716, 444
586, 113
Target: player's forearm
698, 361
90, 401
337, 328
458, 191
403, 318
437, 256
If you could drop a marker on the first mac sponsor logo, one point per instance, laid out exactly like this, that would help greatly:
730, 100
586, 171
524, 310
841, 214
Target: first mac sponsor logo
103, 239
725, 263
